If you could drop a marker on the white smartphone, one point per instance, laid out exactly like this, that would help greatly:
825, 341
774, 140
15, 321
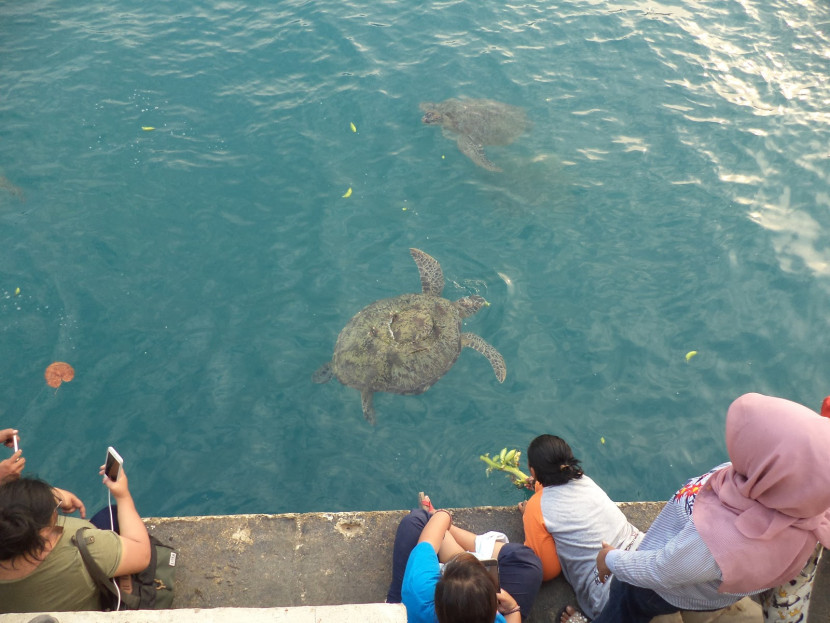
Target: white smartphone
112, 468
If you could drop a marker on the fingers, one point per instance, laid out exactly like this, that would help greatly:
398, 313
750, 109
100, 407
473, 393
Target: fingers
506, 600
7, 437
10, 468
78, 504
119, 487
17, 462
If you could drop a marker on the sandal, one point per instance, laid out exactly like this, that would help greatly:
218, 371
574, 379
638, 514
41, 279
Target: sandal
569, 614
425, 503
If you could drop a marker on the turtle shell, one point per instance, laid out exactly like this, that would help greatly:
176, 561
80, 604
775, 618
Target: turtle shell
400, 345
485, 121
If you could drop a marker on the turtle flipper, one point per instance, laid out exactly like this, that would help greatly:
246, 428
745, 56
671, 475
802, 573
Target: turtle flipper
475, 152
323, 373
432, 278
368, 407
471, 340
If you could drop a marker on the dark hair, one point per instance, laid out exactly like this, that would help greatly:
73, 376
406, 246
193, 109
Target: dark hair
27, 506
466, 593
552, 460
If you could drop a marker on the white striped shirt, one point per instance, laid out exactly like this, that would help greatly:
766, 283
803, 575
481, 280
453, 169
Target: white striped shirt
673, 560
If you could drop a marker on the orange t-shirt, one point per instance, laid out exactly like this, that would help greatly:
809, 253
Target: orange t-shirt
538, 538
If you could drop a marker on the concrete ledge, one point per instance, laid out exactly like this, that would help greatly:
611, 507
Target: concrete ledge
269, 564
302, 559
355, 613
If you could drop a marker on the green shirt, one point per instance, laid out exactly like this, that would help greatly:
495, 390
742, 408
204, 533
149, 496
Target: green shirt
61, 582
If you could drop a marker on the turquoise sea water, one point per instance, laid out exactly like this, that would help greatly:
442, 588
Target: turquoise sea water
672, 196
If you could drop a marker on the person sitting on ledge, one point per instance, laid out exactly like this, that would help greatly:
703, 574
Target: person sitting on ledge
464, 592
40, 566
568, 518
740, 529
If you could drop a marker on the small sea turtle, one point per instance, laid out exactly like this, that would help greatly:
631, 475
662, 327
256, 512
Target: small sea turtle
475, 123
404, 344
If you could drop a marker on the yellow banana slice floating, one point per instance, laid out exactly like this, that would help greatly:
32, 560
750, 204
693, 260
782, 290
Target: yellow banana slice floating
147, 128
348, 192
354, 129
690, 354
17, 291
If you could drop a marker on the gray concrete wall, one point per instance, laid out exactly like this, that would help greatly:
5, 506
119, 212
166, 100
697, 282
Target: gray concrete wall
315, 559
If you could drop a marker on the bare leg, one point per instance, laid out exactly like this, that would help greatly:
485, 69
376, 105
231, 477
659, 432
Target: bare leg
464, 538
449, 548
467, 540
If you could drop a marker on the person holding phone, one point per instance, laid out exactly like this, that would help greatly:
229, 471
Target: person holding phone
465, 589
40, 567
12, 467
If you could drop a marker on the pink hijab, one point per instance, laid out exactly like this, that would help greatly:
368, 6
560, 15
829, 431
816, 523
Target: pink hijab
761, 517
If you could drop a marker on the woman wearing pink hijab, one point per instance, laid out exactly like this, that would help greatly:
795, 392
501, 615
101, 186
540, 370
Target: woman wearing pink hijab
740, 529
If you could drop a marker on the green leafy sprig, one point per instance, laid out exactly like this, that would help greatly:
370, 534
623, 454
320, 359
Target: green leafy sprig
507, 461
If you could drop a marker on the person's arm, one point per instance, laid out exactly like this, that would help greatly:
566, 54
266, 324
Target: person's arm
540, 540
69, 501
7, 437
135, 542
684, 560
508, 607
437, 526
11, 468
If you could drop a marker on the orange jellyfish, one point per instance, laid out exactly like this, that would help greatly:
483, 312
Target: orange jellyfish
58, 372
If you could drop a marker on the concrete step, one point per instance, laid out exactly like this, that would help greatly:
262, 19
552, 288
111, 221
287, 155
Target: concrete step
350, 613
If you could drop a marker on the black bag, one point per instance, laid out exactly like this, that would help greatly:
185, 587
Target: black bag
151, 589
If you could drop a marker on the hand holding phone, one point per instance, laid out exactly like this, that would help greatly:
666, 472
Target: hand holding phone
112, 468
7, 437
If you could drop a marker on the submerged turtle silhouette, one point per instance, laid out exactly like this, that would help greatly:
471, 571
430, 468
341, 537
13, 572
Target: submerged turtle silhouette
475, 123
403, 345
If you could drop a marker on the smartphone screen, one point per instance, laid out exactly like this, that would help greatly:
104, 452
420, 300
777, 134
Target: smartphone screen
492, 566
112, 468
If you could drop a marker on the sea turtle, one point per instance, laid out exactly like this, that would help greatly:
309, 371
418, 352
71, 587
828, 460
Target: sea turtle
404, 344
475, 123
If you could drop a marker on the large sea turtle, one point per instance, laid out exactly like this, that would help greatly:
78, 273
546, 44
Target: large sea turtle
474, 123
404, 344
